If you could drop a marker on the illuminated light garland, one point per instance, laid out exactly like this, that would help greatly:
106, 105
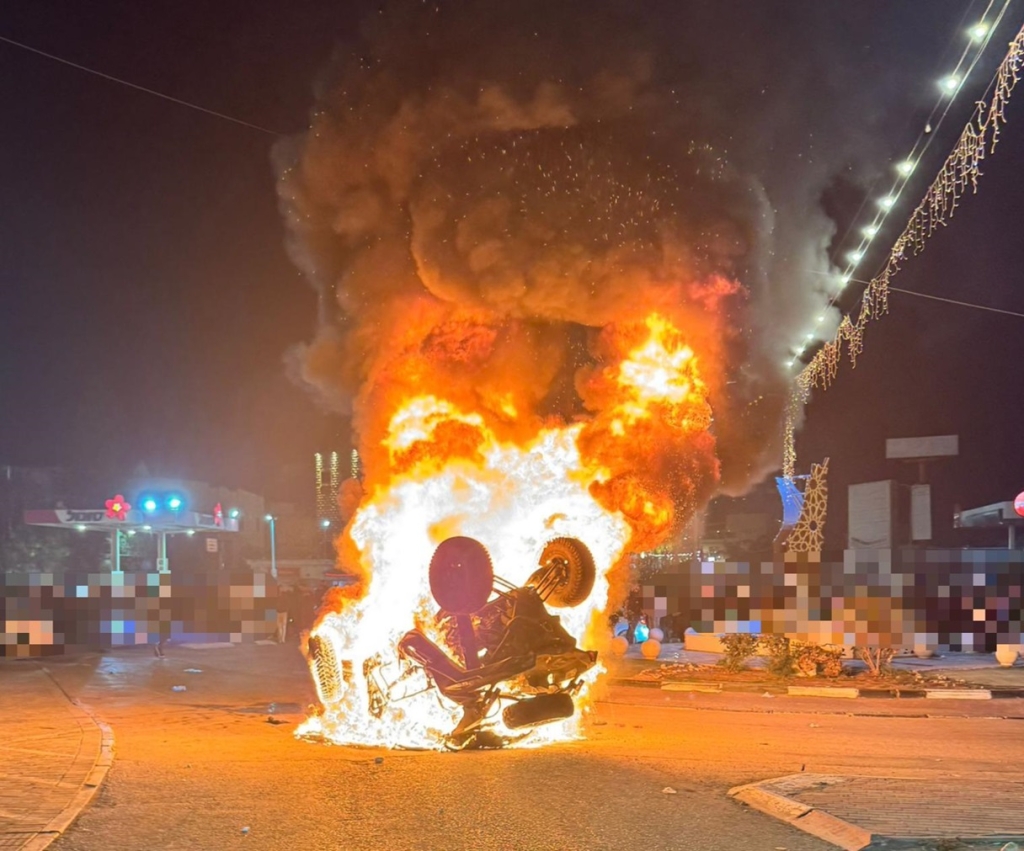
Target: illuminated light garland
959, 173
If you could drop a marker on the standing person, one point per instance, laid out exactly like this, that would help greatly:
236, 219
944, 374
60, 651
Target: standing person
283, 605
163, 628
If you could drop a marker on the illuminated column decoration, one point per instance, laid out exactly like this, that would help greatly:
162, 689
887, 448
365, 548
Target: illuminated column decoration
332, 497
318, 460
355, 464
808, 535
958, 176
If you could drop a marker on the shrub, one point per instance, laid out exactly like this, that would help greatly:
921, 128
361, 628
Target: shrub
814, 659
780, 654
738, 648
877, 659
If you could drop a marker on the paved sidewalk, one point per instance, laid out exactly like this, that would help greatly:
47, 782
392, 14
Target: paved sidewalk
937, 809
856, 813
53, 755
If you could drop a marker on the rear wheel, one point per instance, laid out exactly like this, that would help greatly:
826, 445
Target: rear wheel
461, 575
567, 573
534, 711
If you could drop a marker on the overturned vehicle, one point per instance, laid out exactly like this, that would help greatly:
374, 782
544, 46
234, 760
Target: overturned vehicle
497, 651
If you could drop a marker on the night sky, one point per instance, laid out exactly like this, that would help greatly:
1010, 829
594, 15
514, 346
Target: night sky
148, 300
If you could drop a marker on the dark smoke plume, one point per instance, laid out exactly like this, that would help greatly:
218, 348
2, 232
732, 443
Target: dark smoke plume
499, 181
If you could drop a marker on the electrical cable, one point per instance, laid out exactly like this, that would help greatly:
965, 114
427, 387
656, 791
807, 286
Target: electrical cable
960, 303
137, 87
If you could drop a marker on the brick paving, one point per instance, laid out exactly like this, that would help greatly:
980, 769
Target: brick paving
49, 749
947, 808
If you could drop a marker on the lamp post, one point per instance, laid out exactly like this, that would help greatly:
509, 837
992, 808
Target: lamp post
325, 524
273, 546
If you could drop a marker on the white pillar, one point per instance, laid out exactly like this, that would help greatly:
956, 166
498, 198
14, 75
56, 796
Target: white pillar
161, 553
115, 551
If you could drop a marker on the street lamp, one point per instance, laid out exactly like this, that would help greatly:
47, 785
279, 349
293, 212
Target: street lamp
273, 546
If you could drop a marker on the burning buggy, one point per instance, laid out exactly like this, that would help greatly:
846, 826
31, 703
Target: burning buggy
495, 645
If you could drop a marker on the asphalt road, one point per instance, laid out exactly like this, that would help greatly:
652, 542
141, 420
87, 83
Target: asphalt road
204, 769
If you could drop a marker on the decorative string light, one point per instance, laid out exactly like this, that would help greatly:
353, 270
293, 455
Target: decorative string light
959, 174
978, 31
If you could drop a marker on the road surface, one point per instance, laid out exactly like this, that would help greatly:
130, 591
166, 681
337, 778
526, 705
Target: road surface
204, 769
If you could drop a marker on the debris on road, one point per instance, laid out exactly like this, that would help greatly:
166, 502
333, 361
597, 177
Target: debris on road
378, 760
178, 688
193, 671
668, 790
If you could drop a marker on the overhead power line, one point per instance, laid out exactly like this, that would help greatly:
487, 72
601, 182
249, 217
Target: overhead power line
139, 88
961, 303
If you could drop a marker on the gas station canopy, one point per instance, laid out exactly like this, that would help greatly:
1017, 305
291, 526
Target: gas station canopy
99, 519
118, 517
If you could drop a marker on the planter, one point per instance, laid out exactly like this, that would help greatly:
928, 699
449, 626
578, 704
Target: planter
1006, 654
923, 652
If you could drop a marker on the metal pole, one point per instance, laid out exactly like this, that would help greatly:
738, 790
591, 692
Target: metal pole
161, 553
273, 551
115, 551
1012, 536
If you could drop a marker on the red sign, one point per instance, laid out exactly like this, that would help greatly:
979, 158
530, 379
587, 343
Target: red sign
117, 508
1018, 504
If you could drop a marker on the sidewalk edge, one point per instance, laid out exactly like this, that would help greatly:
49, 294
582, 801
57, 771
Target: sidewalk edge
760, 796
83, 797
832, 692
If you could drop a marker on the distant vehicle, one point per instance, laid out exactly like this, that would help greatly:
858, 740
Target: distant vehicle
507, 650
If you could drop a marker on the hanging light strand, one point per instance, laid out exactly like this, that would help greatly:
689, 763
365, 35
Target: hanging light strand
959, 175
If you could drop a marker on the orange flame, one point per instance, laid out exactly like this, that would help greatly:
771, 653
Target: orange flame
616, 480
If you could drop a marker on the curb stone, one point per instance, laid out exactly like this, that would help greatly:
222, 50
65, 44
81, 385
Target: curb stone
840, 692
766, 796
823, 691
83, 797
958, 694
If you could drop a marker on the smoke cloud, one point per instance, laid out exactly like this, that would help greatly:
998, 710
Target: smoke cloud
487, 188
